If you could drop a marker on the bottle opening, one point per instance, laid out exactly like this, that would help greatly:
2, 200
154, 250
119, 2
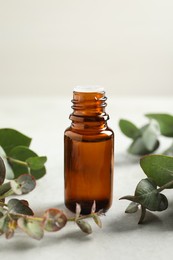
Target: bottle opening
89, 89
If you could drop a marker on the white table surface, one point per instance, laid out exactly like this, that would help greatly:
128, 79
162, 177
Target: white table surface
45, 119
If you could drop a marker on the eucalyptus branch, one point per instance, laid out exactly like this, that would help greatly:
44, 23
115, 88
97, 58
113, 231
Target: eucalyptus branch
18, 214
145, 140
159, 172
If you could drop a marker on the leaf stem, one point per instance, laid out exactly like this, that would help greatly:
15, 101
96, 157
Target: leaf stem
143, 212
40, 219
26, 216
165, 186
91, 215
6, 194
12, 160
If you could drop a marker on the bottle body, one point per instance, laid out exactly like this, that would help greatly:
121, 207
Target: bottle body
88, 159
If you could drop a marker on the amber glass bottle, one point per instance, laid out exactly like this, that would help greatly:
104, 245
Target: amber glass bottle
88, 152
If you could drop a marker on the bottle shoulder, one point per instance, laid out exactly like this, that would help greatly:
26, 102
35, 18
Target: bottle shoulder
106, 130
101, 134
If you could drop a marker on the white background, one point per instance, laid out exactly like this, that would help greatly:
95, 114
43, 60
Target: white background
49, 46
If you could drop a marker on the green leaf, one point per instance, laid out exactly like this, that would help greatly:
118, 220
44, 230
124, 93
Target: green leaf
19, 206
2, 171
7, 226
132, 208
38, 173
138, 147
148, 196
32, 227
9, 171
10, 138
36, 163
150, 135
54, 220
165, 121
159, 168
97, 220
23, 184
84, 226
4, 222
4, 188
23, 153
129, 129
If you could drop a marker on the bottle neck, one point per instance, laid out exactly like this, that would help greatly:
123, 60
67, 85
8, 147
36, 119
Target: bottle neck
89, 110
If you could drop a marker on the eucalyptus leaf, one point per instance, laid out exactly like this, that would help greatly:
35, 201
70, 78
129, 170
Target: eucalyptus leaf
129, 129
38, 173
138, 147
148, 196
2, 171
84, 226
7, 226
165, 121
54, 220
12, 224
78, 210
23, 184
36, 163
10, 138
93, 208
4, 222
97, 220
32, 227
150, 135
159, 168
132, 207
4, 188
23, 153
18, 206
9, 172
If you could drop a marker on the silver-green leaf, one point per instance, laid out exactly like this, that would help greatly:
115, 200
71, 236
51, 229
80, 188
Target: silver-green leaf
32, 227
23, 184
165, 121
132, 207
150, 135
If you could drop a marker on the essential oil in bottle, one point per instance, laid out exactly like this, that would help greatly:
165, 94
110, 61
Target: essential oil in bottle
88, 152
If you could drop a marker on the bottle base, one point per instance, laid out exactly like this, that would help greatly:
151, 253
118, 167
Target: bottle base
86, 205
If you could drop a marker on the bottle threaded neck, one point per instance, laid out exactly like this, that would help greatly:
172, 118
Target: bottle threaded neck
89, 106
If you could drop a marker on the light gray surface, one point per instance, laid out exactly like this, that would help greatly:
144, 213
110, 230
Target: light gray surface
45, 119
